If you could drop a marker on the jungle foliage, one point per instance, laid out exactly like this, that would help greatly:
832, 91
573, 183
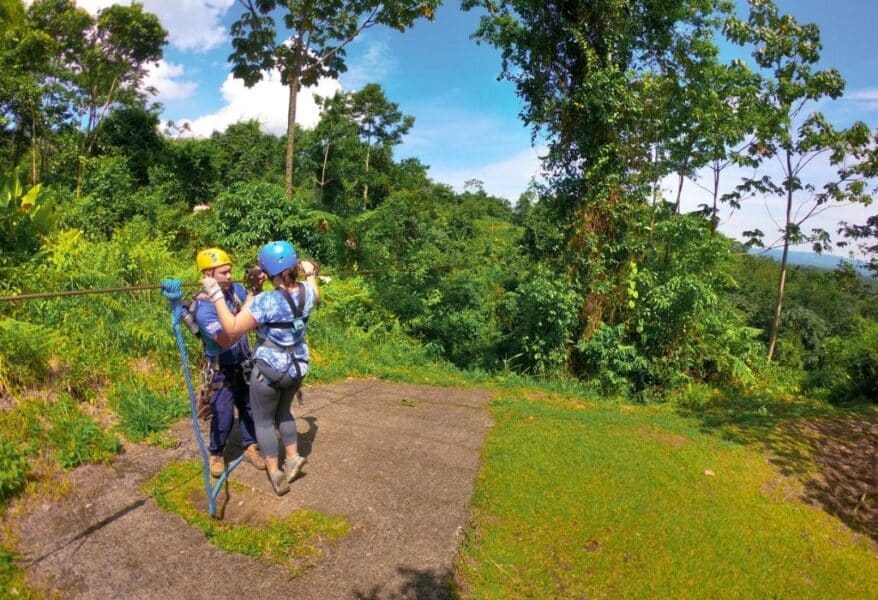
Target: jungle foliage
593, 276
593, 280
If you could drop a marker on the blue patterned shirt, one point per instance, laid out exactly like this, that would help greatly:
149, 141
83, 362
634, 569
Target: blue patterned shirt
272, 307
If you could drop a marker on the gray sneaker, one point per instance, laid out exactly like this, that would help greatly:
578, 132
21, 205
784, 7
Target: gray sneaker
292, 466
279, 483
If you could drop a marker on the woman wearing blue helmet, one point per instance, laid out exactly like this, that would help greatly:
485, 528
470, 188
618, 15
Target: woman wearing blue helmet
280, 317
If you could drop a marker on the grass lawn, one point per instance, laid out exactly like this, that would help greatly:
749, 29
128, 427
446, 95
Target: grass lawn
575, 501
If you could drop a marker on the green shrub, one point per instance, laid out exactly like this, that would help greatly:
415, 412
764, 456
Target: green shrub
13, 469
75, 438
848, 366
614, 361
670, 324
442, 267
538, 320
26, 351
250, 214
100, 329
26, 215
143, 411
459, 316
351, 334
106, 200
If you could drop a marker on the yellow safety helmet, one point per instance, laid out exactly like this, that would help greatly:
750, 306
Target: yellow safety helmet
211, 258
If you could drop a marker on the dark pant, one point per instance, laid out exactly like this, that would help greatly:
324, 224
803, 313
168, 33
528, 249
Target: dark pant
272, 395
230, 390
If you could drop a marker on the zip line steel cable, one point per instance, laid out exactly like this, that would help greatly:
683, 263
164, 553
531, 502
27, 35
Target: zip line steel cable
86, 292
145, 288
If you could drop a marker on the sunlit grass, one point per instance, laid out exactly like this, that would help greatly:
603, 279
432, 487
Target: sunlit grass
13, 583
145, 412
293, 541
598, 501
58, 427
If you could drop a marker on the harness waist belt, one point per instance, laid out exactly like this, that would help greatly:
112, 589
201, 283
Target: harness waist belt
285, 349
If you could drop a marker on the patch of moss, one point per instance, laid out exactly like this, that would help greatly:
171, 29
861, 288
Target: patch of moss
293, 541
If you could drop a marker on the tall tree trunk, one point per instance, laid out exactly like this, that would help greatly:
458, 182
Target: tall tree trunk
84, 148
291, 131
714, 216
323, 172
778, 307
80, 168
33, 149
680, 178
715, 213
655, 193
366, 177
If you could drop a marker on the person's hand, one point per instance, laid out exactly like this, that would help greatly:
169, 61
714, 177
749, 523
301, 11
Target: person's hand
307, 268
212, 289
254, 279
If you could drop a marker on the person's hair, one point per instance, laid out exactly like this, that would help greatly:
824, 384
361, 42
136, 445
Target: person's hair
288, 277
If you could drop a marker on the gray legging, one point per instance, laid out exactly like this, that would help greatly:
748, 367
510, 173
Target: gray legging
271, 411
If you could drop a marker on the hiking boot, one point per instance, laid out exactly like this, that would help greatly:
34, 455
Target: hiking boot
253, 456
292, 466
279, 483
217, 465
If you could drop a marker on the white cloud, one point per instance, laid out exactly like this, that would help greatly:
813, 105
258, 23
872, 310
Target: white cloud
191, 24
506, 178
266, 102
372, 66
163, 77
867, 99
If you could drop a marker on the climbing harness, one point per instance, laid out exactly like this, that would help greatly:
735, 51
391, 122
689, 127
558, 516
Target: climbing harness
207, 388
264, 372
172, 289
209, 366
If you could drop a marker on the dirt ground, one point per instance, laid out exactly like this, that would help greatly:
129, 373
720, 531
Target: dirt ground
397, 460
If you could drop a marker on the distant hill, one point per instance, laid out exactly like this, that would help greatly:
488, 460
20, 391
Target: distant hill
826, 262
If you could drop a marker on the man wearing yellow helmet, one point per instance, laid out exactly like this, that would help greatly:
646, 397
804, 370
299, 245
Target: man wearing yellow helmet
224, 357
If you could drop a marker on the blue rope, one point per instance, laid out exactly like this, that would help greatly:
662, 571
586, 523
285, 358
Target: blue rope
173, 291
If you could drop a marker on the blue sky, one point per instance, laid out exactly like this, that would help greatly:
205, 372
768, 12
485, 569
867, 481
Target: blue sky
466, 121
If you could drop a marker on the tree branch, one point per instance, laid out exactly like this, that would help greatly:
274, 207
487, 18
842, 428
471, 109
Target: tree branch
368, 22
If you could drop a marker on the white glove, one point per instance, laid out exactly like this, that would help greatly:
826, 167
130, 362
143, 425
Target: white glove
212, 289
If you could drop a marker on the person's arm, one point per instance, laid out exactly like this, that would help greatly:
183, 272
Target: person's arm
309, 272
224, 340
210, 327
234, 326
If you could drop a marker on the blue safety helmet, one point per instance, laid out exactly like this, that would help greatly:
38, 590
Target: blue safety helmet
277, 257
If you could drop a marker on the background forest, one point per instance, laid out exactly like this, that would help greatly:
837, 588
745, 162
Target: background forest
594, 278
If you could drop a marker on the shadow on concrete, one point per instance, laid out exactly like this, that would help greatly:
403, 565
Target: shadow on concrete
306, 438
234, 449
417, 585
82, 535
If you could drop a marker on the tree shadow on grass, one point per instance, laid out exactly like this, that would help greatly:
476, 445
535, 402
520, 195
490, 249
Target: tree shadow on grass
832, 452
417, 585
